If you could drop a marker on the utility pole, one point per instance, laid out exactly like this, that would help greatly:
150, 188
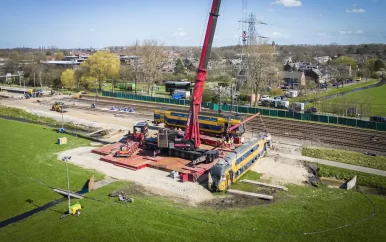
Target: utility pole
136, 66
231, 98
96, 90
34, 80
66, 159
62, 117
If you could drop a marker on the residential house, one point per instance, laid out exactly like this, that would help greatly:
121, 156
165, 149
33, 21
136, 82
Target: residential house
293, 79
168, 68
129, 60
322, 59
314, 74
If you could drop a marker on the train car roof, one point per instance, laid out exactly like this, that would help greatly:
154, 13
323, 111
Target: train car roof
212, 114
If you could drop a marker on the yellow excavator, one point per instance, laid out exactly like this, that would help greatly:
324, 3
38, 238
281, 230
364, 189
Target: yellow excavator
77, 95
58, 107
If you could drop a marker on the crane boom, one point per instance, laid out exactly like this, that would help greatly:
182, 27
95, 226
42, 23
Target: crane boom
192, 131
243, 122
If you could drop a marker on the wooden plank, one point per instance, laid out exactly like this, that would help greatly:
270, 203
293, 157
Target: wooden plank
64, 192
265, 184
96, 132
251, 194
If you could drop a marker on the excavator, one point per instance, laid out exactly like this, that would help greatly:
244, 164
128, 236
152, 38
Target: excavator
59, 107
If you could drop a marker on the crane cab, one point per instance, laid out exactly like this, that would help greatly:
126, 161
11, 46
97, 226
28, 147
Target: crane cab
141, 128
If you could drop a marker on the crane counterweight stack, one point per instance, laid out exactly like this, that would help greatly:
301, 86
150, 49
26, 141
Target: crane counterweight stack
193, 128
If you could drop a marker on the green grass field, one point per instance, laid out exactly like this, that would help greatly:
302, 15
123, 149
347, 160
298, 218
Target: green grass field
333, 90
372, 100
28, 150
348, 157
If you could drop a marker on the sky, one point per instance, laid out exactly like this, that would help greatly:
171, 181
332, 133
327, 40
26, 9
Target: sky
101, 23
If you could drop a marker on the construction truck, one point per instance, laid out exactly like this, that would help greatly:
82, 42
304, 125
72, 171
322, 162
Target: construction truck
135, 139
128, 149
140, 131
77, 95
59, 107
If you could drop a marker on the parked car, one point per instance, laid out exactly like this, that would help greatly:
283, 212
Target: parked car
277, 98
264, 97
378, 119
311, 110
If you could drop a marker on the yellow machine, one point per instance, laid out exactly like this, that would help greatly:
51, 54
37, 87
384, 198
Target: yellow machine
75, 209
210, 123
230, 168
58, 106
76, 96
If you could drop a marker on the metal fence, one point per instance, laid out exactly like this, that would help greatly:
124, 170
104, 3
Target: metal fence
252, 110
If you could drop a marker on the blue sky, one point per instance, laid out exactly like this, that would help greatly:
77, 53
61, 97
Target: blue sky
100, 23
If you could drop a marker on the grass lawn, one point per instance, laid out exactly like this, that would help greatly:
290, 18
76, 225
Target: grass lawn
363, 179
301, 209
348, 157
375, 97
296, 211
28, 150
333, 90
22, 114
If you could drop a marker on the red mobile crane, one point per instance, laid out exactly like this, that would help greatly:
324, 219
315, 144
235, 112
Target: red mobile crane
192, 131
187, 146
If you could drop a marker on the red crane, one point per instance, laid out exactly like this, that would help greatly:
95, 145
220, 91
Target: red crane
192, 131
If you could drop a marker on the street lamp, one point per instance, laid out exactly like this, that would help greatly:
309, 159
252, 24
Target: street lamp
62, 117
66, 159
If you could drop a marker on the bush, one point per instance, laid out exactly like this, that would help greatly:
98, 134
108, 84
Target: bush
207, 96
276, 92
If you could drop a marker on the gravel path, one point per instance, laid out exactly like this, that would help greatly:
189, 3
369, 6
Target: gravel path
340, 165
279, 168
156, 181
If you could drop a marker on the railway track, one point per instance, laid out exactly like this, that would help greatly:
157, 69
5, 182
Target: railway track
340, 136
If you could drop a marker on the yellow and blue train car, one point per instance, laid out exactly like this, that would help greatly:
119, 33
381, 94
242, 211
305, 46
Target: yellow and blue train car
231, 167
210, 123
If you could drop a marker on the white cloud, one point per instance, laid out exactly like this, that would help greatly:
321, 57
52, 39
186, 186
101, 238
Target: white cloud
289, 3
322, 34
351, 32
180, 32
91, 30
356, 10
354, 5
280, 35
270, 9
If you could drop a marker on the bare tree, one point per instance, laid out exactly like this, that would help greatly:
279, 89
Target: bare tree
153, 57
264, 68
